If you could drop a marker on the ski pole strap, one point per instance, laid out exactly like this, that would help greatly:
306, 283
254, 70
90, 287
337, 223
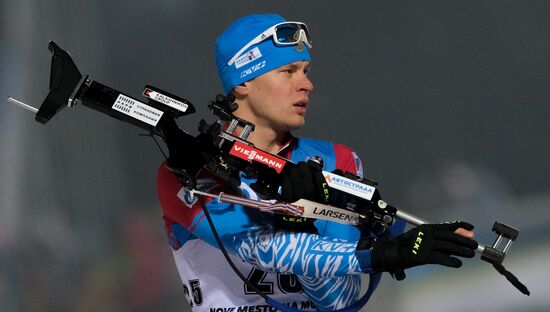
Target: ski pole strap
512, 278
374, 280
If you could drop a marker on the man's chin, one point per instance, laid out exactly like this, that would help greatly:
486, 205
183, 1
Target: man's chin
296, 126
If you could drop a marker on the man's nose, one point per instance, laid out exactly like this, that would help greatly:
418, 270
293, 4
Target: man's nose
305, 84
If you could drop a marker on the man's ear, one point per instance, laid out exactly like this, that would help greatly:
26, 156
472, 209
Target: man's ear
241, 89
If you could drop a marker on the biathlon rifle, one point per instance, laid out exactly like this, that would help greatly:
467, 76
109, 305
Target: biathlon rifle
218, 149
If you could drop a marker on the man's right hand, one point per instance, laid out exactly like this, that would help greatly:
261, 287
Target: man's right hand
305, 180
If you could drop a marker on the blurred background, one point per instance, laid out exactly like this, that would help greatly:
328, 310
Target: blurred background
447, 103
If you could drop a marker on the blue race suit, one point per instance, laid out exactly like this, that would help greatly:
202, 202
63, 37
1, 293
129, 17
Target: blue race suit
273, 259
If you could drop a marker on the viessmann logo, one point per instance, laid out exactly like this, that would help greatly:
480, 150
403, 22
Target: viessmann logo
246, 152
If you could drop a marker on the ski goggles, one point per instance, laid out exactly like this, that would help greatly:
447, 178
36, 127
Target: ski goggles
285, 33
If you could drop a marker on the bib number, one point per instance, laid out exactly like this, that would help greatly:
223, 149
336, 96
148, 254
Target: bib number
287, 283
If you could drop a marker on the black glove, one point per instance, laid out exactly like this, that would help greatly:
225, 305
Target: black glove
425, 244
305, 180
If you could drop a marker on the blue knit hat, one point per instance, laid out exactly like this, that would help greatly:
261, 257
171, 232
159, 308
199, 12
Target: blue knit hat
259, 58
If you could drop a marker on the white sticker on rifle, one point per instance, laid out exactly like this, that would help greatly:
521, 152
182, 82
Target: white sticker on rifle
349, 186
165, 99
137, 110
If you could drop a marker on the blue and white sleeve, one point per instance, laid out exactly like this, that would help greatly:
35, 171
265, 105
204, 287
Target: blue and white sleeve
303, 254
